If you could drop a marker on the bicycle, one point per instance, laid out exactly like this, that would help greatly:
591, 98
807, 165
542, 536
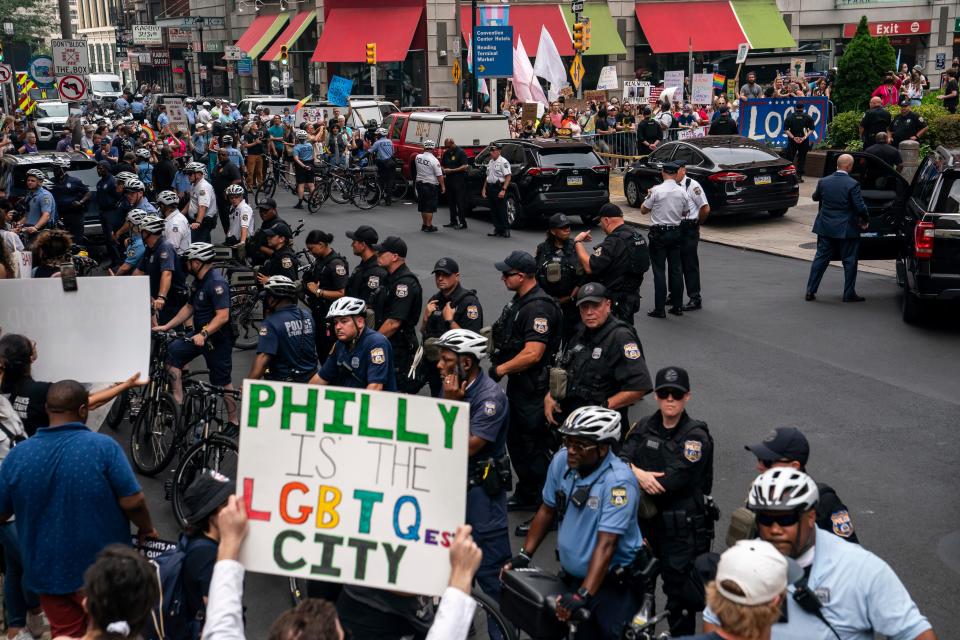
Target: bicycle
153, 410
354, 186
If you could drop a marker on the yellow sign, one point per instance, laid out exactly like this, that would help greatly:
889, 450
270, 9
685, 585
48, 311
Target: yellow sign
577, 71
456, 71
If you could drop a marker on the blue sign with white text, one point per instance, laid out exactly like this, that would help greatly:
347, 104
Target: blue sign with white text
339, 91
493, 51
762, 119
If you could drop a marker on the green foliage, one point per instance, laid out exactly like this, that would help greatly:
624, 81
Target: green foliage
945, 131
843, 129
31, 19
854, 145
861, 68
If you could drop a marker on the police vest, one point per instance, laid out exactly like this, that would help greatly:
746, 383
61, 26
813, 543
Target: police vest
658, 453
318, 273
632, 261
436, 325
365, 281
560, 270
588, 374
506, 343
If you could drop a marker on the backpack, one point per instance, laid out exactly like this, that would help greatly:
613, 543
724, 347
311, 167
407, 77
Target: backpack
638, 253
170, 618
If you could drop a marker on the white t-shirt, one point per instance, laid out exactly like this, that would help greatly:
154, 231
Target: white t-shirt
241, 217
176, 231
428, 168
202, 195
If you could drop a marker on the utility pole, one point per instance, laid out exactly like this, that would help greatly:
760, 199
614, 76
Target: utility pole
474, 96
66, 25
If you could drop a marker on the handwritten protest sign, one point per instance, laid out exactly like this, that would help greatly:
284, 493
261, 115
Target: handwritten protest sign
352, 486
339, 90
702, 91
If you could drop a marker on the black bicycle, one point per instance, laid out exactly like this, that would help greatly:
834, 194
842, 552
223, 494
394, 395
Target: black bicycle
153, 410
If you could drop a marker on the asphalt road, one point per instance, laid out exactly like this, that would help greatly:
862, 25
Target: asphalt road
877, 398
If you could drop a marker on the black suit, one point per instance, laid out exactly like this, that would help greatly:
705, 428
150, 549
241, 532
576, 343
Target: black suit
837, 226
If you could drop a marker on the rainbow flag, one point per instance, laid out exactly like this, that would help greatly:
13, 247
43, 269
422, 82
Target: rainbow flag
151, 134
302, 102
719, 81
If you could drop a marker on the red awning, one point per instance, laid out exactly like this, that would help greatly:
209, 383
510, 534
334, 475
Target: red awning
344, 38
670, 27
527, 21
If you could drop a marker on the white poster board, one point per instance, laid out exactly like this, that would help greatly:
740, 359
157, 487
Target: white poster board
352, 486
177, 114
742, 50
797, 68
99, 333
636, 92
674, 79
696, 132
702, 88
608, 79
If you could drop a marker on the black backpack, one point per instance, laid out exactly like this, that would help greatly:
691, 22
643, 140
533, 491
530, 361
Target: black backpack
638, 253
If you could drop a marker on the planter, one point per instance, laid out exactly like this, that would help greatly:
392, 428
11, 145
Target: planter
814, 164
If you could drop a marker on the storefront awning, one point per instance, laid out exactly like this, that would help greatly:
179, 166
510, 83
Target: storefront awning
291, 34
672, 27
260, 32
763, 23
344, 39
604, 37
527, 21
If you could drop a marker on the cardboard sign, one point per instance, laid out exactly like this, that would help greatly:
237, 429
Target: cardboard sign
567, 92
352, 486
608, 79
702, 88
529, 112
797, 68
600, 97
636, 92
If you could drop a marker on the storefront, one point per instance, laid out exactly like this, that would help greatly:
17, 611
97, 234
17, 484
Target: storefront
909, 38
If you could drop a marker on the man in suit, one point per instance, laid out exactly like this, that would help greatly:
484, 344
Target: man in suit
841, 217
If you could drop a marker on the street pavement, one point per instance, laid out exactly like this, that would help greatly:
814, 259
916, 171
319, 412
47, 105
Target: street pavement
876, 397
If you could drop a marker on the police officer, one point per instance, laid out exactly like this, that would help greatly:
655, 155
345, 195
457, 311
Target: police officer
397, 309
71, 196
559, 271
286, 347
649, 134
323, 282
209, 307
135, 248
909, 125
496, 186
260, 250
875, 120
201, 210
429, 184
382, 151
42, 209
488, 466
724, 125
788, 447
799, 125
525, 340
452, 307
176, 227
284, 261
363, 358
133, 190
455, 165
618, 262
690, 234
671, 455
595, 497
368, 276
667, 204
168, 280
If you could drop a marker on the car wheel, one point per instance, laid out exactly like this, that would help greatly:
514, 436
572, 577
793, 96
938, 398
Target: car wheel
632, 192
777, 213
515, 217
912, 307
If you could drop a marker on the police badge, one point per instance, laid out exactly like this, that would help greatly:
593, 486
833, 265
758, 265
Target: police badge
540, 325
286, 262
618, 496
692, 450
373, 282
377, 356
842, 526
489, 407
218, 290
473, 312
341, 270
598, 251
401, 291
631, 351
597, 352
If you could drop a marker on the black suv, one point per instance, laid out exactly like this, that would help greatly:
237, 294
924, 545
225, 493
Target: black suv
917, 224
549, 176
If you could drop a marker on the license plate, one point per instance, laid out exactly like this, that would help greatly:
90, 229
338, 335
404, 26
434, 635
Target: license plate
574, 181
762, 180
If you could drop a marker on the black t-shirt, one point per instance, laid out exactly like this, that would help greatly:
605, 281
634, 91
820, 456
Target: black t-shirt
797, 122
257, 138
224, 175
885, 152
454, 159
197, 572
874, 121
29, 399
951, 103
906, 125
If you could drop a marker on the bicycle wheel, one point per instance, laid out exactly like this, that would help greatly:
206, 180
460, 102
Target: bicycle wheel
488, 622
246, 314
265, 190
400, 188
318, 196
340, 190
367, 194
153, 436
118, 411
216, 453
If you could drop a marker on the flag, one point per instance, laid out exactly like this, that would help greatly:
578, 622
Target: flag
525, 84
719, 81
549, 66
302, 102
151, 134
494, 16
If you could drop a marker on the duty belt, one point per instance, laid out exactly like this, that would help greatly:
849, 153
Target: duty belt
663, 227
690, 222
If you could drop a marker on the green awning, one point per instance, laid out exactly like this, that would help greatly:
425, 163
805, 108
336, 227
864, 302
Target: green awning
604, 37
763, 24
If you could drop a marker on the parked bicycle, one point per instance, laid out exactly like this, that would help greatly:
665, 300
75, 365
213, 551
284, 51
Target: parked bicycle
354, 185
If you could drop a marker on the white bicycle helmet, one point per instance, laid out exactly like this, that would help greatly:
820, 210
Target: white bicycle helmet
136, 216
429, 144
202, 251
381, 131
47, 184
37, 173
234, 190
143, 153
194, 167
592, 423
123, 176
345, 307
168, 198
302, 135
783, 489
464, 342
133, 184
152, 224
281, 286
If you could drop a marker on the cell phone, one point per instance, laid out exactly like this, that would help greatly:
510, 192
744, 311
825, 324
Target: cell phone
68, 276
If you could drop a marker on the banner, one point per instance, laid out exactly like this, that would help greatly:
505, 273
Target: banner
352, 486
702, 88
696, 132
762, 119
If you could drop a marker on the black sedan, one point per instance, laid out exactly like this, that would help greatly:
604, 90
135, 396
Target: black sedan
739, 175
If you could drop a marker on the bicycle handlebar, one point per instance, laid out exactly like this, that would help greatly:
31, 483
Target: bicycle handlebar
212, 388
581, 615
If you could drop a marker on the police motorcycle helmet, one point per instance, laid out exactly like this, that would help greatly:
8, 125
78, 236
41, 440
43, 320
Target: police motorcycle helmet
168, 198
202, 251
593, 423
152, 224
234, 190
281, 287
783, 489
346, 306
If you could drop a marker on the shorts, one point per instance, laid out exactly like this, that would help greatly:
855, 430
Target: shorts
217, 353
304, 175
427, 196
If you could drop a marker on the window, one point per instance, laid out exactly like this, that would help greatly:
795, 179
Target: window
663, 153
387, 123
568, 158
685, 154
513, 153
734, 155
482, 158
398, 128
925, 182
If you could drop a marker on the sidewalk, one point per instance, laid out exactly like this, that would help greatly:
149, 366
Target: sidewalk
788, 236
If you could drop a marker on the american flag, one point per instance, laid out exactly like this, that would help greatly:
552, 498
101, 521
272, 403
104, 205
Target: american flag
655, 94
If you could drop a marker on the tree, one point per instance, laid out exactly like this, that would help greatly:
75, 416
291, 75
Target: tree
861, 68
31, 19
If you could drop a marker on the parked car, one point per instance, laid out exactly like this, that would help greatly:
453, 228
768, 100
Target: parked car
549, 176
738, 175
275, 103
51, 119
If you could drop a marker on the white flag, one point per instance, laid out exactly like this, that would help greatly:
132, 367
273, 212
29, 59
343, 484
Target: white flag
549, 65
525, 84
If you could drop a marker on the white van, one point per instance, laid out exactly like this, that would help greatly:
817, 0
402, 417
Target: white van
105, 88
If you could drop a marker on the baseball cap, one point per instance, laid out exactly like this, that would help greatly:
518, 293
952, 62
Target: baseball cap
759, 572
279, 230
205, 494
670, 167
495, 145
447, 266
904, 102
364, 233
559, 221
672, 378
610, 210
783, 443
393, 244
269, 203
519, 261
591, 292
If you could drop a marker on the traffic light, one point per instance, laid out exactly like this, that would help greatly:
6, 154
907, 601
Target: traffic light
284, 55
586, 35
578, 36
371, 53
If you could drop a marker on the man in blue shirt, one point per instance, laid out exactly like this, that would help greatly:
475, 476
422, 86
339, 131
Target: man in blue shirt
287, 347
595, 496
163, 120
382, 151
137, 108
73, 493
42, 209
363, 358
303, 166
168, 281
120, 106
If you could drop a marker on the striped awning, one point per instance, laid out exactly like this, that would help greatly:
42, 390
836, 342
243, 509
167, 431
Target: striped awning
261, 32
300, 23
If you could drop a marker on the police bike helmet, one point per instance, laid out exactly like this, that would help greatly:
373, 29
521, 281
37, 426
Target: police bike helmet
381, 131
202, 251
281, 286
152, 224
302, 135
143, 153
429, 144
592, 423
123, 176
168, 198
345, 307
133, 184
234, 190
37, 173
464, 342
136, 216
783, 489
194, 167
47, 184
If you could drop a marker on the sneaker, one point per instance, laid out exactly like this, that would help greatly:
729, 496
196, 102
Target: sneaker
37, 624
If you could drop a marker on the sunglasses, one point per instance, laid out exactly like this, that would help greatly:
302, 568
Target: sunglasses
781, 520
510, 274
676, 394
575, 446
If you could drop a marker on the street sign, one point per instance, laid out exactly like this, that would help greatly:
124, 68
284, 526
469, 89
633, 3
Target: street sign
147, 34
177, 35
6, 73
285, 79
493, 51
70, 57
742, 52
40, 71
233, 52
577, 71
456, 72
8, 28
245, 66
72, 88
576, 6
192, 22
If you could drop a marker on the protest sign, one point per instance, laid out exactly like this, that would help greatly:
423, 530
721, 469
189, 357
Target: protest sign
339, 90
314, 115
702, 88
674, 79
93, 334
352, 486
529, 112
567, 91
762, 119
152, 549
177, 114
696, 132
600, 97
608, 79
797, 67
636, 92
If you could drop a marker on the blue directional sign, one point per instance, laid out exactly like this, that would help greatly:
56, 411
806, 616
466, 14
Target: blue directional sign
493, 51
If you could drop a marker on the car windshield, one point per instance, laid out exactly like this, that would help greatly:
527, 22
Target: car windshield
363, 114
579, 159
106, 86
474, 132
53, 110
742, 154
88, 176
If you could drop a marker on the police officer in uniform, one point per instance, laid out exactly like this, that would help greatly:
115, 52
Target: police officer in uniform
690, 233
908, 125
525, 340
284, 261
649, 134
559, 271
363, 358
71, 196
667, 204
671, 455
397, 309
495, 190
168, 280
285, 350
488, 466
368, 276
724, 125
875, 120
41, 208
799, 125
615, 262
258, 249
595, 497
455, 165
323, 282
452, 307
